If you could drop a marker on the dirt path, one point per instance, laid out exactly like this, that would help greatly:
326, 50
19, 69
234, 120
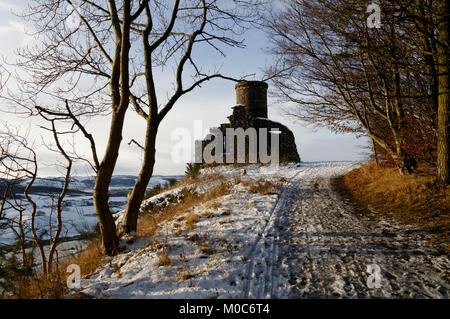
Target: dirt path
322, 248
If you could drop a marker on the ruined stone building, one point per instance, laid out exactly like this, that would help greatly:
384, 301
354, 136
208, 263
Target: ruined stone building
251, 112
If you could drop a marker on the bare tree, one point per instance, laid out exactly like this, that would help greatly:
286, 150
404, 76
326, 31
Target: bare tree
19, 165
430, 19
12, 173
343, 74
118, 48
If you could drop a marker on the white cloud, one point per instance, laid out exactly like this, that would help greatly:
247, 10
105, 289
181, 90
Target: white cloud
8, 6
5, 29
12, 26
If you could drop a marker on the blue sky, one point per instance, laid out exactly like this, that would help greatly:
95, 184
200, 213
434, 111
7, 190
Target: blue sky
211, 103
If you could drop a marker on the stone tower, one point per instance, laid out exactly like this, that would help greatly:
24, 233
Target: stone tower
251, 112
253, 94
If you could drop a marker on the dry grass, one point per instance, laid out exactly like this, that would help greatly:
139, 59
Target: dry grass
264, 187
149, 224
54, 284
117, 271
237, 178
89, 258
191, 219
213, 205
163, 257
202, 243
207, 214
226, 213
410, 199
184, 274
228, 221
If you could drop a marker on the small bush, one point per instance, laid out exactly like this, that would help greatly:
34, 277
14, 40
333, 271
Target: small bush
172, 199
207, 250
193, 170
12, 273
214, 205
155, 190
171, 182
225, 213
228, 221
207, 214
195, 238
91, 233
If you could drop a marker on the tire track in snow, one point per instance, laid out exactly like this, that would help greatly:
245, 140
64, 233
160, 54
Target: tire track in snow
260, 275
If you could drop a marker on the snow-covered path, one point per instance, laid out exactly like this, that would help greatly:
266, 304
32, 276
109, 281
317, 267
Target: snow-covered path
305, 242
327, 247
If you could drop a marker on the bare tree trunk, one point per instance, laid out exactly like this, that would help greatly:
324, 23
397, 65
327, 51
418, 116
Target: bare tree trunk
120, 93
22, 241
443, 147
106, 221
137, 194
429, 46
55, 239
36, 238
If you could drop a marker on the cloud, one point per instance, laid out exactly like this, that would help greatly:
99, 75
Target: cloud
14, 34
12, 26
8, 6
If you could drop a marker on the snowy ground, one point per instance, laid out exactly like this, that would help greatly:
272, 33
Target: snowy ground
304, 241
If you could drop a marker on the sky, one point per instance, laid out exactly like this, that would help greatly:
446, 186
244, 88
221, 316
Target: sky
211, 104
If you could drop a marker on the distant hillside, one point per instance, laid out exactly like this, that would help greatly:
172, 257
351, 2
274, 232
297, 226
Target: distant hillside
81, 185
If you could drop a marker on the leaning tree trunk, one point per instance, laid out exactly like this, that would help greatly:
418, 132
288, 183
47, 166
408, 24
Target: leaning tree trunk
120, 94
443, 147
129, 223
106, 221
137, 194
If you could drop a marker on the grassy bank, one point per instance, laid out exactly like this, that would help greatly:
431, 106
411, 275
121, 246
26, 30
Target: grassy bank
410, 199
